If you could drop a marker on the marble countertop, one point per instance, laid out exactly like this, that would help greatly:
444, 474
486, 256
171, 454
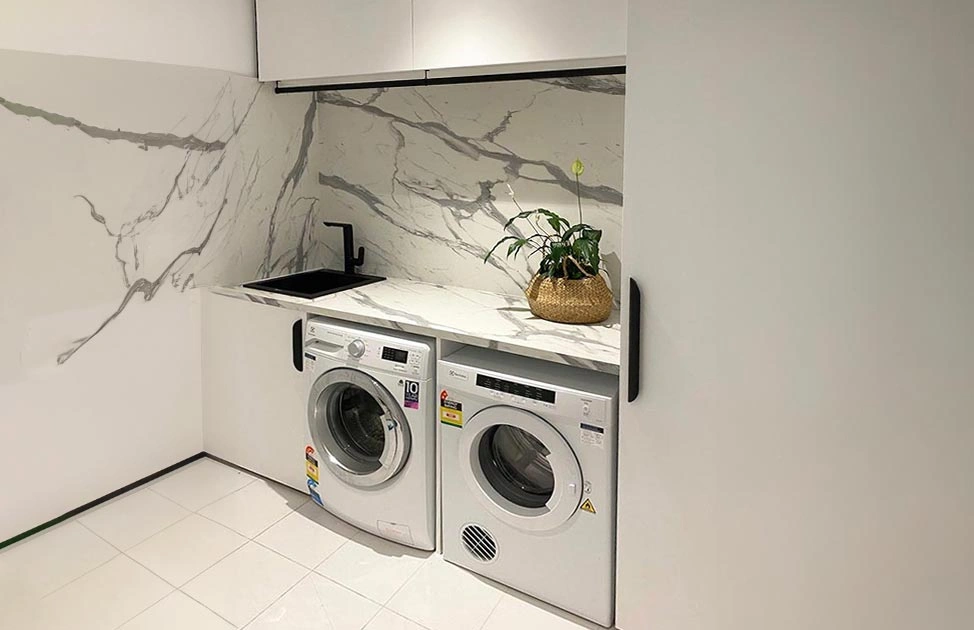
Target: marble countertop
477, 318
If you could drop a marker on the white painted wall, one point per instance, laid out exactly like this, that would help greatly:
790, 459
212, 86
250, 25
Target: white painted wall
800, 215
123, 186
218, 34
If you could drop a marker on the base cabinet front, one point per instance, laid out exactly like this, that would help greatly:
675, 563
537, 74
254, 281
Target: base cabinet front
254, 398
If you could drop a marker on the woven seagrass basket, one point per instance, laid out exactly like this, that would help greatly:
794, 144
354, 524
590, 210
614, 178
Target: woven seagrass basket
585, 301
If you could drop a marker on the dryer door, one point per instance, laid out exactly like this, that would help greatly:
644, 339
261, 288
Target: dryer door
359, 426
520, 468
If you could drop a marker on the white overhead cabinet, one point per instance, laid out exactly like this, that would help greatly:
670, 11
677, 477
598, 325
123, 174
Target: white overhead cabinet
308, 39
361, 41
547, 34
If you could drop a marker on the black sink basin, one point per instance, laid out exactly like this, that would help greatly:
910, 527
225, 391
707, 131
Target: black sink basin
314, 284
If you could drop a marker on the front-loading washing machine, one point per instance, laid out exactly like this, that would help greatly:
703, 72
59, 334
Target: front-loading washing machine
369, 456
528, 456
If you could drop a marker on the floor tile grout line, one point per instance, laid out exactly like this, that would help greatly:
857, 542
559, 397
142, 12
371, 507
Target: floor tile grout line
406, 581
347, 588
248, 537
410, 620
146, 608
122, 553
117, 553
372, 618
204, 605
277, 599
196, 575
313, 569
220, 498
493, 610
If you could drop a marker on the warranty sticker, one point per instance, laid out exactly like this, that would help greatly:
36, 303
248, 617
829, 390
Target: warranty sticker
410, 394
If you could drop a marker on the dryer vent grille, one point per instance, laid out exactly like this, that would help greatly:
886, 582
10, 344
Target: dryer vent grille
479, 543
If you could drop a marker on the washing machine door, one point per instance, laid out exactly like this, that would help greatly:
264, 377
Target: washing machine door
359, 426
520, 468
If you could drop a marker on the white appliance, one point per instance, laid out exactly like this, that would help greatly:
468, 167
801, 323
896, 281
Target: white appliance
369, 455
528, 451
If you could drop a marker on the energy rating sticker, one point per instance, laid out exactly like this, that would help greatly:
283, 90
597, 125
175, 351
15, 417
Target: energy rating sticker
588, 507
451, 411
310, 464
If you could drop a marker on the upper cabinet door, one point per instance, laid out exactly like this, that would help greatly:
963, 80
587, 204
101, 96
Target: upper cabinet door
308, 39
451, 34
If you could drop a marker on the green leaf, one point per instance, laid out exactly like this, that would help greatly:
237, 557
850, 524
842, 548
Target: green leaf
496, 245
592, 234
572, 231
516, 246
586, 252
520, 215
556, 256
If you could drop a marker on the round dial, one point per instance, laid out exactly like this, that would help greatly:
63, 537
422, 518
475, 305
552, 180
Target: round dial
356, 348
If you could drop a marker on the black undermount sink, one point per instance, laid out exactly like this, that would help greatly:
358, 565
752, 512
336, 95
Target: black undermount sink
314, 284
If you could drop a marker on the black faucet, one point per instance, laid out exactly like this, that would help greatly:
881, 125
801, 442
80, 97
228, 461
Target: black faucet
351, 261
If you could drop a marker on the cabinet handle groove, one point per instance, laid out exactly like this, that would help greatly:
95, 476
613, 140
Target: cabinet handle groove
635, 329
297, 346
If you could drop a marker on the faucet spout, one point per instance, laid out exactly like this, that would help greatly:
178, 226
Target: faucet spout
350, 259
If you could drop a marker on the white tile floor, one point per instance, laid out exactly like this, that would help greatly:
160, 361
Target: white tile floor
212, 548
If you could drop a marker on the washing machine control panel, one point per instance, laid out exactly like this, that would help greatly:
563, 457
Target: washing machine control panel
370, 350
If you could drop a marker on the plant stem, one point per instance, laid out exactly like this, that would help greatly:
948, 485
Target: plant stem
578, 195
579, 266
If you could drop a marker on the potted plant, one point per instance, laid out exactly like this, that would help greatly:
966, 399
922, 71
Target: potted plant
568, 287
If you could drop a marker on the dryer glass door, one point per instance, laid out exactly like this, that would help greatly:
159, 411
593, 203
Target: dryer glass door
520, 468
360, 427
516, 465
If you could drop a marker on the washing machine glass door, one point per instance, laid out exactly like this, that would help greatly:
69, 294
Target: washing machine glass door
520, 468
358, 425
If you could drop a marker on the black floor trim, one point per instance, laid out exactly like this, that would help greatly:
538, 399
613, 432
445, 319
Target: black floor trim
100, 500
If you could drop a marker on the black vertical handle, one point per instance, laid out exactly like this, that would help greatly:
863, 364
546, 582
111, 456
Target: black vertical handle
297, 346
635, 328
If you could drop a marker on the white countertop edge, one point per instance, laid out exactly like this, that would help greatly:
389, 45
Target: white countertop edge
324, 306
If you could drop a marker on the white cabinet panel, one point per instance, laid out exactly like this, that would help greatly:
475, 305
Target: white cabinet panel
253, 397
451, 34
306, 39
799, 219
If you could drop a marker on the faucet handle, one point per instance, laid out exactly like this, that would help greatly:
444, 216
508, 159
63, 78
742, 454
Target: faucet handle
359, 259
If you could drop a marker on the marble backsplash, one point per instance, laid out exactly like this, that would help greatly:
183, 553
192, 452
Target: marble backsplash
423, 172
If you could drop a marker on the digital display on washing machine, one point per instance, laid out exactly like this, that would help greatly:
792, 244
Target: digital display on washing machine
518, 389
394, 354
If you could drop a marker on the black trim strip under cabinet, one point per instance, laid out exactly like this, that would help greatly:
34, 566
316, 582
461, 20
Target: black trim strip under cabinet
462, 80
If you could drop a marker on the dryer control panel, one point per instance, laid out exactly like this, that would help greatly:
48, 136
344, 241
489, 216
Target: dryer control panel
409, 355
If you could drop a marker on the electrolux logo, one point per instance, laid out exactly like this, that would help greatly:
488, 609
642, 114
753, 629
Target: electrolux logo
458, 374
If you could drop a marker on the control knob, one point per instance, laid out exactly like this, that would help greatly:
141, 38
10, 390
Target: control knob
356, 348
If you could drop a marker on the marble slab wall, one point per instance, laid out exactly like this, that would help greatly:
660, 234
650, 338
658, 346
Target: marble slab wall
123, 186
423, 172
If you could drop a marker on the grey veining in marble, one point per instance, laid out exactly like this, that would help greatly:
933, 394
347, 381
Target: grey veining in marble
185, 177
423, 172
469, 316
